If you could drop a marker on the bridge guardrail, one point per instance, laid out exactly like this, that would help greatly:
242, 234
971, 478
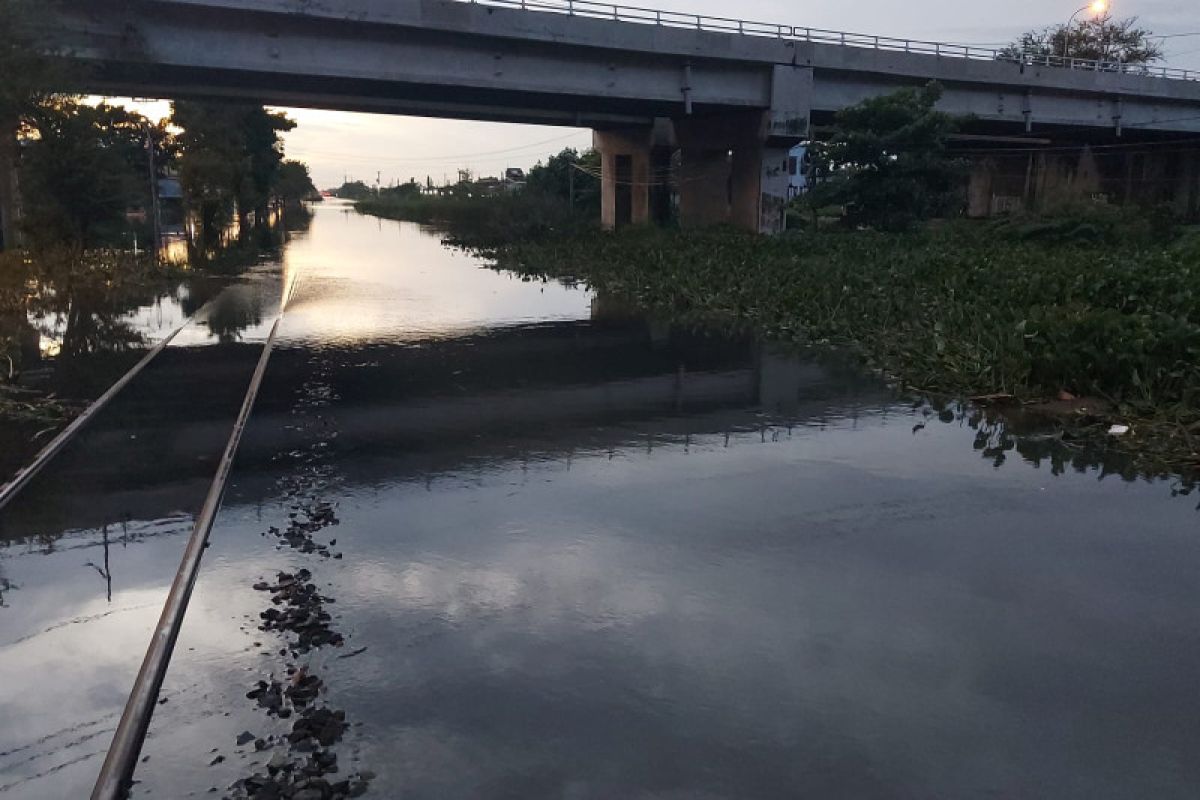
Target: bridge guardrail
704, 22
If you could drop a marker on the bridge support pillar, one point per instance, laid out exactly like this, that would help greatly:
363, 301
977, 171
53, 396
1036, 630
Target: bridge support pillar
1062, 179
731, 173
626, 176
979, 188
734, 165
719, 168
1186, 200
703, 186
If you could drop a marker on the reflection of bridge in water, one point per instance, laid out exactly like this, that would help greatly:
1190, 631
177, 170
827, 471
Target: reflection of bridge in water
584, 387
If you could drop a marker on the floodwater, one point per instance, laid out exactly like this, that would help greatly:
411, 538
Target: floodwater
77, 332
558, 550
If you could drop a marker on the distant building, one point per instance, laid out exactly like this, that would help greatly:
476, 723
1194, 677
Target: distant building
170, 201
488, 186
514, 179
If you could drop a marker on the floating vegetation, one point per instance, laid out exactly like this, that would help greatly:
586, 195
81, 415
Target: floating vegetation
964, 310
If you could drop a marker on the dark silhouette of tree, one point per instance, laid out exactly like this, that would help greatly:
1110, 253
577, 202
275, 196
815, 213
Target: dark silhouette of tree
1099, 39
27, 78
294, 183
83, 168
353, 190
230, 159
261, 131
555, 177
886, 161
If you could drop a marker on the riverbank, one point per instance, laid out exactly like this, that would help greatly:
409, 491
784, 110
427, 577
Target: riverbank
1095, 327
482, 221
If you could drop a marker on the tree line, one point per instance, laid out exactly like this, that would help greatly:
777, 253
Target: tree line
82, 167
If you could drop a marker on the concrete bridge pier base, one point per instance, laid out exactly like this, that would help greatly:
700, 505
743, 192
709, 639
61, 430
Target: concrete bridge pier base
731, 172
759, 188
980, 188
704, 177
624, 177
1186, 200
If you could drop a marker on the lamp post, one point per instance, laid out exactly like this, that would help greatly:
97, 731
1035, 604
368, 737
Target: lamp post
1097, 7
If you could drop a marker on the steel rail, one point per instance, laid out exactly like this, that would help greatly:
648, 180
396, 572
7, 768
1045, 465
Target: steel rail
680, 19
19, 481
116, 774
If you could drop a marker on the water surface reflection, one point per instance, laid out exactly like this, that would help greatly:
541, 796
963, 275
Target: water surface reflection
584, 554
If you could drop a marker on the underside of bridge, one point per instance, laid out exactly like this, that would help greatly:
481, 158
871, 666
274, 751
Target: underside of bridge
701, 116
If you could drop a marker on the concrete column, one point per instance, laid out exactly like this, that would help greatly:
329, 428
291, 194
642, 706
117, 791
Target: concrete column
758, 188
722, 164
1186, 199
734, 165
1086, 181
703, 186
626, 176
1055, 180
979, 188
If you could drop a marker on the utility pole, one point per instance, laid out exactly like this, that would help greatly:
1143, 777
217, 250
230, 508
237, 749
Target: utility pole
155, 209
9, 200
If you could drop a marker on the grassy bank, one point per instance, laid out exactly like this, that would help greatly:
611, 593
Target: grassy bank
483, 221
1032, 312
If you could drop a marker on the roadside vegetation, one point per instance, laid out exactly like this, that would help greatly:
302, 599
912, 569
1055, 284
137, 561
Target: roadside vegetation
1087, 313
1099, 38
559, 197
81, 254
1004, 312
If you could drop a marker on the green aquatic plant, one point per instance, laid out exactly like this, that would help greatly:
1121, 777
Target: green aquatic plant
963, 309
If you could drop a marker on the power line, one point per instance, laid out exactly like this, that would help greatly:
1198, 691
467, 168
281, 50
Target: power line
1156, 146
438, 159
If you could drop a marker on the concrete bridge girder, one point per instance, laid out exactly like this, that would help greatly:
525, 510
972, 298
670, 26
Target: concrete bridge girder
473, 61
558, 64
317, 60
1028, 109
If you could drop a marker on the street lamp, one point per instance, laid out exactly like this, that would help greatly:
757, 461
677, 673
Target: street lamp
1097, 7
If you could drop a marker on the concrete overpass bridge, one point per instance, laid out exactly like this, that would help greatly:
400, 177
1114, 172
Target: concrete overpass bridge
729, 96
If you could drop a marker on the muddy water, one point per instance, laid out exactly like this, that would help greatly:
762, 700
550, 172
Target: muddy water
493, 539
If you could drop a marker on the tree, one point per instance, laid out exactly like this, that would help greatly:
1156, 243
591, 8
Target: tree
294, 183
264, 155
1099, 39
886, 161
28, 79
403, 190
230, 157
353, 190
83, 169
568, 174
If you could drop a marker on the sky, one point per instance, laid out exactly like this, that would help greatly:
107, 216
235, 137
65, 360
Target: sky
339, 145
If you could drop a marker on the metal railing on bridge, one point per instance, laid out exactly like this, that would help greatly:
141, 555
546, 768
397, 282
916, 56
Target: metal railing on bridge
703, 22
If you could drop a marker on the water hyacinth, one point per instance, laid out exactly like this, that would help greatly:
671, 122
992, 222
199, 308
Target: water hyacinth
962, 309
